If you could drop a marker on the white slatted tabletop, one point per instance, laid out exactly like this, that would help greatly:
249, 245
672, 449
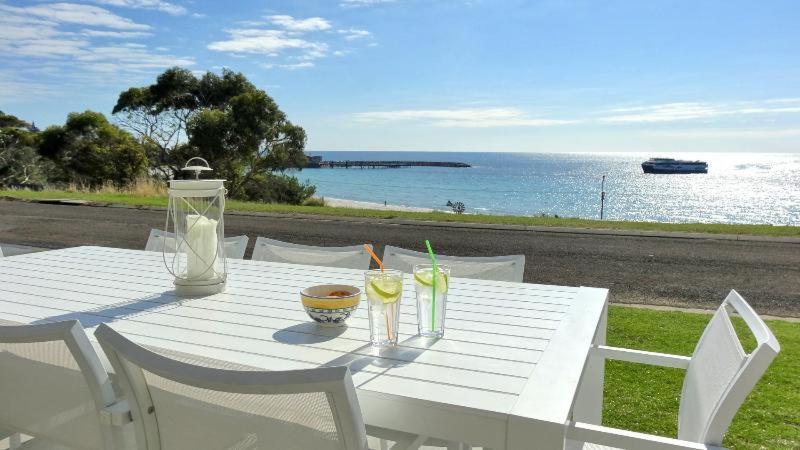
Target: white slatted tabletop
506, 372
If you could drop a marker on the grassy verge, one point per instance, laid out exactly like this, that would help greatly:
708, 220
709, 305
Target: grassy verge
645, 398
547, 221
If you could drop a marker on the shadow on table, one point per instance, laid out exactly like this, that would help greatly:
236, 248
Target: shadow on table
110, 313
307, 333
385, 357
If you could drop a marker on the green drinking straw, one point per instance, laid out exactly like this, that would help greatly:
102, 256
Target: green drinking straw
433, 284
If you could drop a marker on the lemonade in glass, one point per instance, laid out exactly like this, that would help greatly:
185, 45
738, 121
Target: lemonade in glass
384, 289
431, 298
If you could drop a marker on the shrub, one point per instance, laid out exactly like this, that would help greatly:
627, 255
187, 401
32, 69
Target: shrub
315, 201
277, 188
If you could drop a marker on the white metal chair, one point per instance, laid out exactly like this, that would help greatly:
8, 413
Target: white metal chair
159, 240
350, 257
497, 268
54, 387
191, 405
719, 376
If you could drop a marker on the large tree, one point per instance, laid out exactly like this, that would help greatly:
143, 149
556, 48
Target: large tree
19, 162
223, 118
91, 151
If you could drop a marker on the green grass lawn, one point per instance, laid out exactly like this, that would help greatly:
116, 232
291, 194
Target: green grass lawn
645, 398
547, 221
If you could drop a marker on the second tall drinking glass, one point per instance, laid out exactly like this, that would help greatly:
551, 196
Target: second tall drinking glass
384, 289
431, 298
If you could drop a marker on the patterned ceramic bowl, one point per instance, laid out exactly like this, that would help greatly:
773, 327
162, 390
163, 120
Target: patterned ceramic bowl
330, 304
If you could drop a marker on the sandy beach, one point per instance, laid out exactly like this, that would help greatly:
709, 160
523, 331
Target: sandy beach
344, 203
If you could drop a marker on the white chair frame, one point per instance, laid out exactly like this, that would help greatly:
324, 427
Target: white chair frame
235, 246
714, 428
128, 360
349, 257
111, 412
404, 260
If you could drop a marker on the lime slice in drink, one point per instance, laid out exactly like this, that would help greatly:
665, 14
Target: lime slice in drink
387, 290
425, 279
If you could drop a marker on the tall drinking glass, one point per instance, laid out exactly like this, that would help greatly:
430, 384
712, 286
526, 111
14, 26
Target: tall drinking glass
384, 290
431, 302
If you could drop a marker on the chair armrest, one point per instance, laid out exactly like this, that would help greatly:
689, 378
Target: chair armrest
630, 440
116, 414
643, 357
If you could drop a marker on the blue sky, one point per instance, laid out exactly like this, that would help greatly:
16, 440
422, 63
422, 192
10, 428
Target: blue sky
477, 75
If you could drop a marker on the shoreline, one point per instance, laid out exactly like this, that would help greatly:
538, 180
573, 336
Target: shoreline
356, 204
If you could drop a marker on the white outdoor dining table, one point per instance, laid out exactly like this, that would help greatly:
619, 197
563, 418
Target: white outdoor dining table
505, 376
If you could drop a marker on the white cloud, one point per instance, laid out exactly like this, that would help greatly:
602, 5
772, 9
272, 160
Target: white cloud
300, 65
672, 112
295, 42
352, 34
662, 113
71, 13
361, 3
14, 87
158, 5
292, 24
728, 134
784, 100
462, 118
114, 34
268, 42
34, 37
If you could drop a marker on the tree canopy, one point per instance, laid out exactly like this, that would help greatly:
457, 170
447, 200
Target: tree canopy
90, 150
223, 118
19, 162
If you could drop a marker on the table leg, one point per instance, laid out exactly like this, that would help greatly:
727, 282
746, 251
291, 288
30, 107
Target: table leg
589, 402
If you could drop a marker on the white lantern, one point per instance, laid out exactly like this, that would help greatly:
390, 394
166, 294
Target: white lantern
195, 216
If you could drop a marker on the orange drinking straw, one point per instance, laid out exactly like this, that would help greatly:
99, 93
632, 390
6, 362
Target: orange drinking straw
374, 256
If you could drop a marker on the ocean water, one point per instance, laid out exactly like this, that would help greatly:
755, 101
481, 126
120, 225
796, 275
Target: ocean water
739, 188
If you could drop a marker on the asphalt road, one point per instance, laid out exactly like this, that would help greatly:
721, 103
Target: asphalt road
645, 270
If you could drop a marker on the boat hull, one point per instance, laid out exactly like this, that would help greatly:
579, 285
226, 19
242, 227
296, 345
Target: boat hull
674, 169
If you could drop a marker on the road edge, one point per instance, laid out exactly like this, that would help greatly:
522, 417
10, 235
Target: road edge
460, 225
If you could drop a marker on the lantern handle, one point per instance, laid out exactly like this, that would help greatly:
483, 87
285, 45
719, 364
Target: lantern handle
197, 169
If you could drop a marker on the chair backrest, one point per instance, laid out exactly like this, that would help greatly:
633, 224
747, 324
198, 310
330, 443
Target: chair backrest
159, 240
182, 405
1, 252
350, 257
721, 375
53, 385
497, 268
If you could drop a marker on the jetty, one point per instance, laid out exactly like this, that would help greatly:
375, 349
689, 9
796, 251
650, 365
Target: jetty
316, 162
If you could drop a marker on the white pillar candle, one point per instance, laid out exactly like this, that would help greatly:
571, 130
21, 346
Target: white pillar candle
201, 247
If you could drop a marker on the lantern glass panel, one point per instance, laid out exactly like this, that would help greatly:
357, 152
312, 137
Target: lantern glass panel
196, 217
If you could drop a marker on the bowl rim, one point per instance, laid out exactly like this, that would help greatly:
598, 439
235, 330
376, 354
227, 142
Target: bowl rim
356, 292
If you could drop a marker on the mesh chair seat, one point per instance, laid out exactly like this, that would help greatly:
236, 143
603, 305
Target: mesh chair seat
349, 257
53, 385
496, 268
182, 401
160, 240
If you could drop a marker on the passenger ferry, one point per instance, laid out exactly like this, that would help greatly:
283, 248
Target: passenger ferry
669, 165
